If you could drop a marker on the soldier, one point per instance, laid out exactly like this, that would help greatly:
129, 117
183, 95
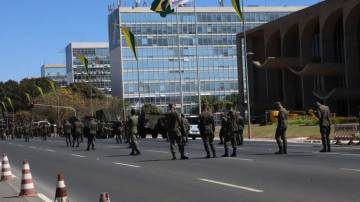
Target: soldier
240, 130
230, 128
174, 132
77, 132
186, 127
91, 134
27, 133
207, 128
117, 130
44, 131
223, 129
67, 133
132, 125
280, 134
323, 114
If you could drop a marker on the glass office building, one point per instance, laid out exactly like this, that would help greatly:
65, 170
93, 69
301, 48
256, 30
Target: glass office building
97, 54
183, 48
55, 72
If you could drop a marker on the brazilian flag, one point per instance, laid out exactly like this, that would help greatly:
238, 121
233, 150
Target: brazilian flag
84, 61
236, 6
130, 39
163, 7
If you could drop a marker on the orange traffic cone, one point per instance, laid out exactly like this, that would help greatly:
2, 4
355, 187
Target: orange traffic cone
105, 197
61, 194
27, 185
6, 174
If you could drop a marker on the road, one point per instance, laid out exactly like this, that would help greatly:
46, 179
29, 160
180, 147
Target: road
255, 175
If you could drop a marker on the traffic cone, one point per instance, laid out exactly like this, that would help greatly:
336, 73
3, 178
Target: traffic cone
6, 174
27, 185
105, 197
61, 194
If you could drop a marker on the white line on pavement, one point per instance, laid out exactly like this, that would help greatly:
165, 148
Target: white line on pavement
124, 164
241, 159
32, 147
50, 150
231, 185
157, 151
350, 169
44, 198
76, 155
350, 154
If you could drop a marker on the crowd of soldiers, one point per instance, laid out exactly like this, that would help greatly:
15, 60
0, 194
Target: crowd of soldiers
177, 128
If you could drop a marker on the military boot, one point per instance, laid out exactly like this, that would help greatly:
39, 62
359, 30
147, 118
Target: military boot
226, 154
183, 157
173, 156
207, 150
234, 153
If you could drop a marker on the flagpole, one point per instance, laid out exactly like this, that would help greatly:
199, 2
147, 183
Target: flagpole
197, 58
247, 73
179, 57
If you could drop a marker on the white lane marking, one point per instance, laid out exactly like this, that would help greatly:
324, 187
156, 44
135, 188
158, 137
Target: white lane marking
50, 150
125, 164
76, 155
157, 151
350, 169
20, 145
350, 154
231, 185
241, 159
32, 147
44, 198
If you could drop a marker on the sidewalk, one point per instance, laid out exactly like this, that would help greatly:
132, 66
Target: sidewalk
9, 194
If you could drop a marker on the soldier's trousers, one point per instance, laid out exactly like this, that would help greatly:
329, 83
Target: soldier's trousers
281, 140
76, 139
179, 141
134, 144
232, 140
90, 142
325, 137
68, 140
208, 140
240, 137
27, 138
44, 137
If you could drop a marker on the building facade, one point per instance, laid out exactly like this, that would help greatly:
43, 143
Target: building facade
55, 72
176, 52
311, 55
99, 65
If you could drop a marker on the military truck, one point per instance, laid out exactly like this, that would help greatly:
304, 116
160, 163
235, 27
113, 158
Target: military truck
152, 124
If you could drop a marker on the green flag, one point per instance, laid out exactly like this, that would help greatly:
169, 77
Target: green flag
4, 106
163, 7
28, 96
10, 102
236, 6
130, 39
40, 90
52, 85
84, 61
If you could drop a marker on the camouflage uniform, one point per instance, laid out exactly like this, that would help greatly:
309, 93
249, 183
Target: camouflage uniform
67, 133
230, 129
280, 134
92, 130
174, 133
323, 114
77, 132
185, 127
207, 128
240, 130
133, 132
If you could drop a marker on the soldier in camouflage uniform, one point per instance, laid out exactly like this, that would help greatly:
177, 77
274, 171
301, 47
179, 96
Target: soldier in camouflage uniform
78, 128
280, 134
230, 129
174, 132
186, 127
67, 133
132, 125
222, 132
91, 133
240, 130
44, 131
207, 128
323, 114
28, 132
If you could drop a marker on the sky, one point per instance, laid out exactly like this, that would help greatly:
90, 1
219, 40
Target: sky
34, 32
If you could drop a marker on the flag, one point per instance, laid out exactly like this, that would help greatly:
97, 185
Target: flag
177, 3
84, 61
130, 39
163, 7
236, 6
4, 106
40, 90
10, 102
52, 85
28, 96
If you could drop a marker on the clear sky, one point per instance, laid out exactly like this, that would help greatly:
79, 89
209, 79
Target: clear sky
33, 32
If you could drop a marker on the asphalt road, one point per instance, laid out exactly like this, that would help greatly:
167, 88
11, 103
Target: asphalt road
255, 175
